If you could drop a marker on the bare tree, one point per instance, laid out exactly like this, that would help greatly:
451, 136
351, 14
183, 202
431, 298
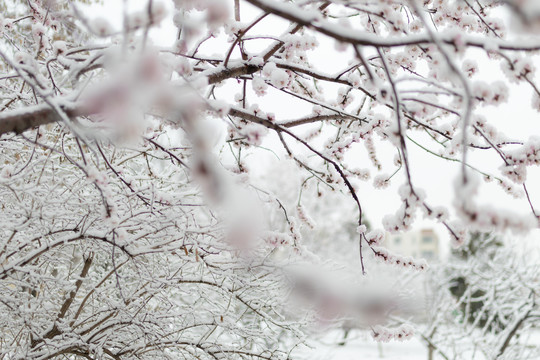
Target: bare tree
485, 305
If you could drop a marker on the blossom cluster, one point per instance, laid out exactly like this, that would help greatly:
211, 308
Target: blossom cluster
385, 334
304, 217
276, 239
382, 254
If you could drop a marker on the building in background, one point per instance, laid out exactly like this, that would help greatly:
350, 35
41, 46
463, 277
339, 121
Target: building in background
422, 243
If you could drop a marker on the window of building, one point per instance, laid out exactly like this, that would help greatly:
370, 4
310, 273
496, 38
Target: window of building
428, 255
397, 240
427, 239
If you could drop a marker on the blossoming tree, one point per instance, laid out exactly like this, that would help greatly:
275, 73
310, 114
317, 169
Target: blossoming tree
130, 228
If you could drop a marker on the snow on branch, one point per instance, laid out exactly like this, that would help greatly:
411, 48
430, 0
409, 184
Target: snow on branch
199, 177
